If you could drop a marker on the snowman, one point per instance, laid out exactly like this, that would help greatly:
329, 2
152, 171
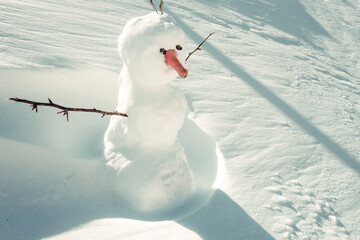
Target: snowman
151, 166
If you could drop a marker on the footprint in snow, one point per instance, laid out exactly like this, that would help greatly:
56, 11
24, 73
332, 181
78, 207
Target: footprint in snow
300, 214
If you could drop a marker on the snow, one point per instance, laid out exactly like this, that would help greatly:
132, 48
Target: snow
276, 89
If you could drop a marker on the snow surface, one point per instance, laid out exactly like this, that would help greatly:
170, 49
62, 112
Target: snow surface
277, 88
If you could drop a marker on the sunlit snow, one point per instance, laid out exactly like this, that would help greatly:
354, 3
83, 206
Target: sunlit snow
268, 120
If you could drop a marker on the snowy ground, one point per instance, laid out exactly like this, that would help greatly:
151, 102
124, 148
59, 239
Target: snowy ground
277, 88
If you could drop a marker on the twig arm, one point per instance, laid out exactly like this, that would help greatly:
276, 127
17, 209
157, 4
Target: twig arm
65, 110
198, 48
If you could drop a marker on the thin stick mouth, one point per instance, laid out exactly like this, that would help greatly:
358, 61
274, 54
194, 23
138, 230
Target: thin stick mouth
172, 61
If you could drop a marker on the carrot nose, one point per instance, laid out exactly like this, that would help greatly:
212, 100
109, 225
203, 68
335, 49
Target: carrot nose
171, 60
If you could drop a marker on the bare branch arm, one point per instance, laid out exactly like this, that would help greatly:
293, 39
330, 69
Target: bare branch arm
65, 110
198, 48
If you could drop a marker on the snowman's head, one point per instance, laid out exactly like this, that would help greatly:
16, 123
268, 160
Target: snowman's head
151, 47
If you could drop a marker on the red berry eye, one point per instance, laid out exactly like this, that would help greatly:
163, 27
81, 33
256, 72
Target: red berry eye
178, 47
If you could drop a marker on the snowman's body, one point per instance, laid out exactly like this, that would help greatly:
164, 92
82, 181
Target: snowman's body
151, 166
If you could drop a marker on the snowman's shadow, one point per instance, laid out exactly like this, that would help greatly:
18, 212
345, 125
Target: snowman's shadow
212, 214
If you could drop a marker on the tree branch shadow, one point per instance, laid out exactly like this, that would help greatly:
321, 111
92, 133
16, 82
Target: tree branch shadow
288, 16
266, 93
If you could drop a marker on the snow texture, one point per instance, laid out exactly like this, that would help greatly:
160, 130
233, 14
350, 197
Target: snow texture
274, 119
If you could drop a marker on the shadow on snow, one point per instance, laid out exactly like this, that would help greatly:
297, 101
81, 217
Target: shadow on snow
222, 218
289, 16
285, 108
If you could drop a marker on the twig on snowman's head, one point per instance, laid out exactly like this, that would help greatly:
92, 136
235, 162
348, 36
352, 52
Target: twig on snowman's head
65, 110
161, 7
198, 48
152, 3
